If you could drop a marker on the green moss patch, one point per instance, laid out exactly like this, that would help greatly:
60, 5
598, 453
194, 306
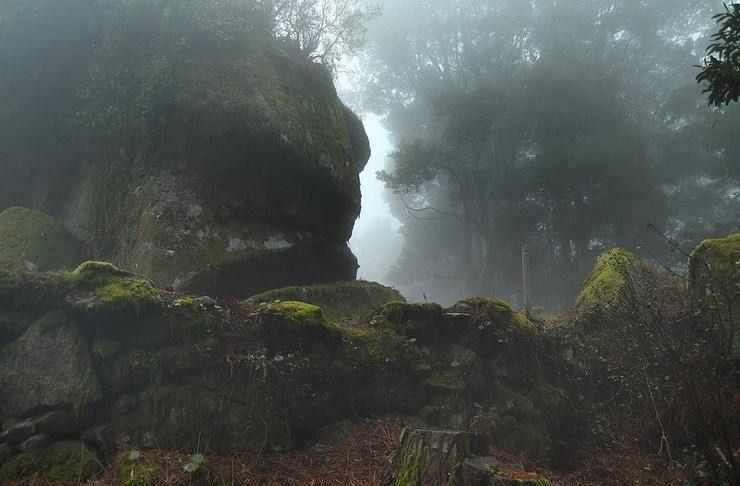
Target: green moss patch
117, 294
31, 240
445, 381
9, 282
372, 347
715, 265
289, 324
493, 310
136, 470
609, 280
62, 461
341, 301
412, 320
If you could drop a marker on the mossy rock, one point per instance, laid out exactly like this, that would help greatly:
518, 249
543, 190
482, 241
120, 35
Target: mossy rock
553, 405
25, 296
115, 295
341, 301
372, 359
236, 170
256, 184
485, 309
48, 366
10, 282
70, 461
613, 280
714, 285
417, 321
32, 240
714, 269
609, 280
291, 324
445, 381
185, 417
368, 346
530, 438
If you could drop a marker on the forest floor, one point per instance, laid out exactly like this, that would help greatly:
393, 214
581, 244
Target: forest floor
366, 459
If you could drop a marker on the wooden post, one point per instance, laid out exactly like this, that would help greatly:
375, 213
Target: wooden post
526, 278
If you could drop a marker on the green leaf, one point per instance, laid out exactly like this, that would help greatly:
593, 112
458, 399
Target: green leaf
198, 458
191, 467
134, 455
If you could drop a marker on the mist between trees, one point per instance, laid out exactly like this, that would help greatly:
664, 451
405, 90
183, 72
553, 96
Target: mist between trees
564, 126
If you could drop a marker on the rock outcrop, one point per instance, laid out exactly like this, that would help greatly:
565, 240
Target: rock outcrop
714, 285
31, 240
101, 358
247, 180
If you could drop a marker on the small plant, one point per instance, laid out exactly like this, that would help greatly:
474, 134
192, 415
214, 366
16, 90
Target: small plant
133, 455
196, 460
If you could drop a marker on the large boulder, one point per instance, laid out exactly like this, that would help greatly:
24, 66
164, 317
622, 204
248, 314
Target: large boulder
714, 284
619, 275
234, 171
49, 366
32, 240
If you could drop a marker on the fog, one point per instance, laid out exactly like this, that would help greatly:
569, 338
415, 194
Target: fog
566, 127
376, 240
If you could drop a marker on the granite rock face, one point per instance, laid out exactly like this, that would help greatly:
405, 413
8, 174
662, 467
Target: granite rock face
247, 179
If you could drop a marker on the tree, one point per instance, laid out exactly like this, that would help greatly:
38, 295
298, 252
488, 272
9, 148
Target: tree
551, 124
721, 71
323, 30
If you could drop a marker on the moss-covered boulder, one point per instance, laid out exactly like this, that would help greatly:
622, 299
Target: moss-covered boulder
341, 301
290, 324
714, 265
714, 284
487, 366
180, 416
618, 276
106, 294
235, 171
32, 240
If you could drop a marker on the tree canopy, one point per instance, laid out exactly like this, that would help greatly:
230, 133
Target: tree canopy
564, 126
721, 70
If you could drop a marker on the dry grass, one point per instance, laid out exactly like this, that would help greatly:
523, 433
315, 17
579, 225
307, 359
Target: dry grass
616, 468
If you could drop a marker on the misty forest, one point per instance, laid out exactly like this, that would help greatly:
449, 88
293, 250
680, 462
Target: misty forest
353, 242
